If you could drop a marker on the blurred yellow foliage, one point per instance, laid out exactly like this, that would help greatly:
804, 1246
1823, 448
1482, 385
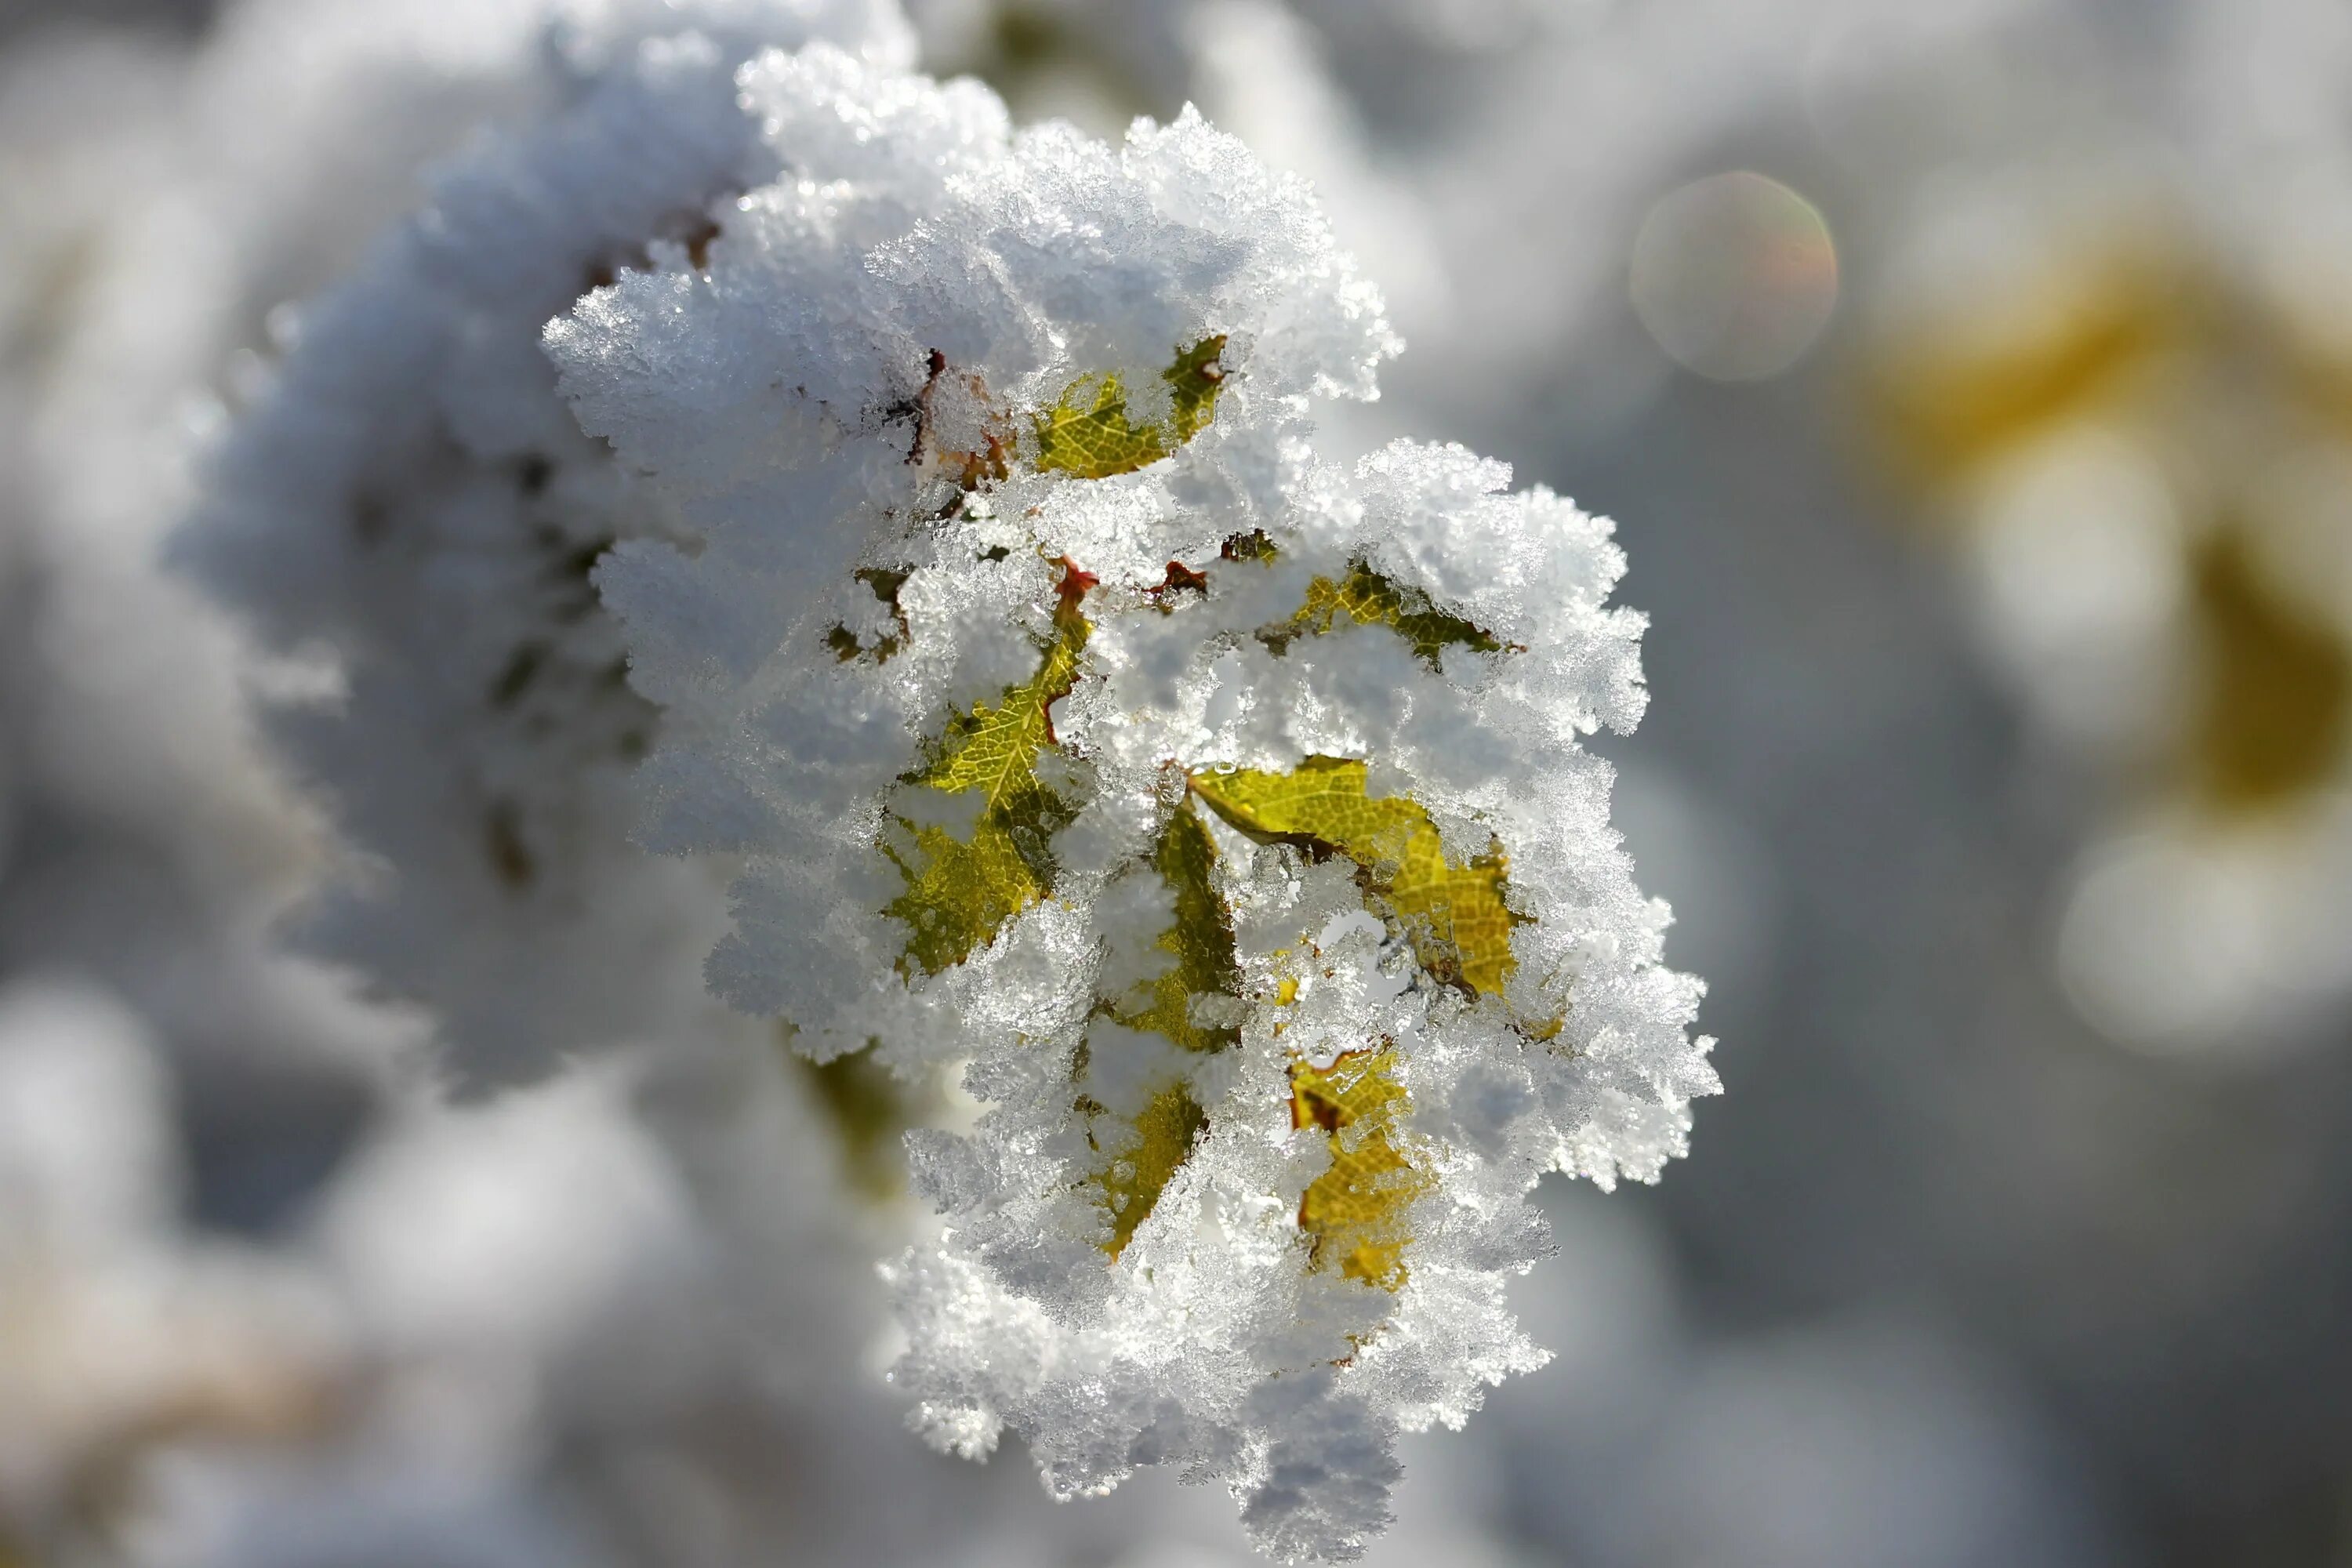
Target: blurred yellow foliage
868, 1109
2139, 339
1949, 399
2270, 724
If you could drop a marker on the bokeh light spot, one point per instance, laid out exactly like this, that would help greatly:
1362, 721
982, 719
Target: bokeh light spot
1735, 276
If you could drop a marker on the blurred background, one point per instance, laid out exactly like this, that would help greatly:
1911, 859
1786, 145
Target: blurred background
1972, 385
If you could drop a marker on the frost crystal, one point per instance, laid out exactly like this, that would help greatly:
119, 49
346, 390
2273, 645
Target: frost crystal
1221, 807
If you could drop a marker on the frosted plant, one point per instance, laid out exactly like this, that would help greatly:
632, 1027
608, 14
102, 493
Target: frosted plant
408, 500
156, 203
1221, 807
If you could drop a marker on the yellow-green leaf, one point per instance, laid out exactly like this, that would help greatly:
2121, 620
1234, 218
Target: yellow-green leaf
1086, 433
1200, 936
1145, 1158
1454, 915
962, 886
1369, 598
1354, 1214
885, 585
1251, 546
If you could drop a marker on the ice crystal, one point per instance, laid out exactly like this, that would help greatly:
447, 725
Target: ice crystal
1220, 806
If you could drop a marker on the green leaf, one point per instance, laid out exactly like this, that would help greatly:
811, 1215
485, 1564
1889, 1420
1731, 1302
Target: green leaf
1456, 915
1354, 1214
962, 888
1086, 433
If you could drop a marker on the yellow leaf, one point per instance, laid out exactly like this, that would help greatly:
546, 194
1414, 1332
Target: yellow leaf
1086, 433
1454, 915
1369, 599
961, 890
1355, 1211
